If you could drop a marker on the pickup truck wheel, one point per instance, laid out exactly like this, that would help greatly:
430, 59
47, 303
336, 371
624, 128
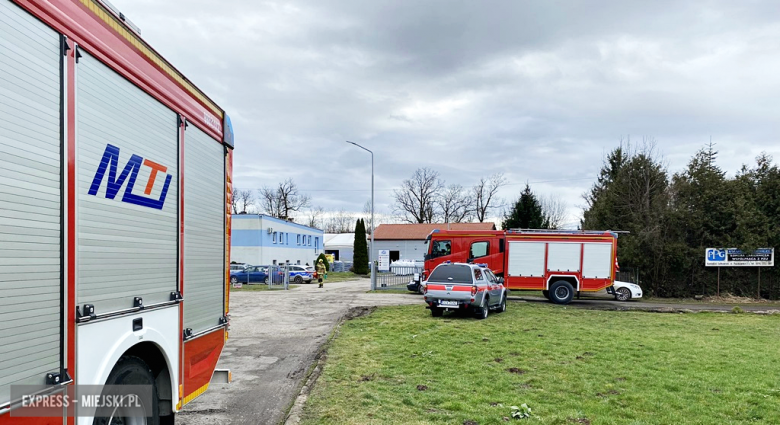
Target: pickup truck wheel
546, 294
622, 294
481, 313
131, 370
436, 312
561, 292
298, 280
502, 306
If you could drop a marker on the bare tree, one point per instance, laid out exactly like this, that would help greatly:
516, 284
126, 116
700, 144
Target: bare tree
554, 211
243, 201
340, 222
283, 200
484, 195
454, 204
416, 200
314, 217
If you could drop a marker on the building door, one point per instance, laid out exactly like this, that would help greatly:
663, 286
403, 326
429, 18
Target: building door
395, 256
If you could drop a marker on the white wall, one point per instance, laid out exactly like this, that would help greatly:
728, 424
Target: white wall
407, 249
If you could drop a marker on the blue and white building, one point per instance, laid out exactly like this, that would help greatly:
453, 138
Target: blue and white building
264, 240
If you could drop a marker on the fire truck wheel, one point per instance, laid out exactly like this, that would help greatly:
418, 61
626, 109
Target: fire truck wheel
436, 312
622, 294
546, 294
561, 292
131, 370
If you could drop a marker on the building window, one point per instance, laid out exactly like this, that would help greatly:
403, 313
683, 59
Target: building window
309, 240
316, 243
299, 239
274, 238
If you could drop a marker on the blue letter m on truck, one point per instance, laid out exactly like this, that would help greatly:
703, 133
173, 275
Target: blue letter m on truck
110, 163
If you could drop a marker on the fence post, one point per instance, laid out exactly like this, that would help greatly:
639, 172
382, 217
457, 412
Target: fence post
287, 276
373, 276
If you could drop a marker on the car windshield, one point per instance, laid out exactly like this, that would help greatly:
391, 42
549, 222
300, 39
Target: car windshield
451, 274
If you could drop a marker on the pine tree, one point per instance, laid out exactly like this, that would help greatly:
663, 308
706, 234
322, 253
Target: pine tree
360, 248
526, 213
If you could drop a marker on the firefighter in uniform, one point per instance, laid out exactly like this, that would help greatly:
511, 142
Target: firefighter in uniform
321, 271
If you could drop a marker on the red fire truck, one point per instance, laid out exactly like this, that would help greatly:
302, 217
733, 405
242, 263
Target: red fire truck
115, 186
560, 263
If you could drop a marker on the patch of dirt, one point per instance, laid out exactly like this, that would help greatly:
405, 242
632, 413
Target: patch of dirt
494, 404
514, 353
469, 422
580, 358
608, 393
727, 298
715, 329
485, 340
588, 353
585, 421
366, 378
620, 379
516, 370
525, 386
422, 387
498, 360
356, 312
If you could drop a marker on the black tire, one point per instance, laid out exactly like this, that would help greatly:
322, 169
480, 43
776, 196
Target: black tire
546, 294
420, 289
265, 280
481, 313
561, 292
622, 294
502, 306
436, 312
298, 280
131, 370
233, 280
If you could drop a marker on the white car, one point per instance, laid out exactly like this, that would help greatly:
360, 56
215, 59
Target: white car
625, 291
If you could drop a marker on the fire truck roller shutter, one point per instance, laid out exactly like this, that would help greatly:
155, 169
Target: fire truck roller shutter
127, 151
526, 259
563, 257
204, 230
597, 260
30, 209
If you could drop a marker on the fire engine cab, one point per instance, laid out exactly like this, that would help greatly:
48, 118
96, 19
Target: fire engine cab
560, 263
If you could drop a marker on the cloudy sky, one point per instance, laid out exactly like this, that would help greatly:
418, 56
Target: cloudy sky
537, 90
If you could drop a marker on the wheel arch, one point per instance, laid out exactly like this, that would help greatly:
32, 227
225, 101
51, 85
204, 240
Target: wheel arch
573, 280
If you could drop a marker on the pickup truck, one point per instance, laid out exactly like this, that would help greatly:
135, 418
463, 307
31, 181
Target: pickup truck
464, 286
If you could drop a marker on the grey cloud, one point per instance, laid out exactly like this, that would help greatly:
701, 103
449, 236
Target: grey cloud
538, 90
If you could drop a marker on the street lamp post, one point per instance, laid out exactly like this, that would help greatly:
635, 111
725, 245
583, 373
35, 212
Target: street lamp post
371, 250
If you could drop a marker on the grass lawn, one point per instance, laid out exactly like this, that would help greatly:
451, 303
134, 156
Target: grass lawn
400, 365
260, 287
340, 277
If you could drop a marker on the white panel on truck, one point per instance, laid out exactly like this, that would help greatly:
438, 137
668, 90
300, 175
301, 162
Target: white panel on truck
204, 230
563, 257
526, 259
127, 150
30, 211
597, 260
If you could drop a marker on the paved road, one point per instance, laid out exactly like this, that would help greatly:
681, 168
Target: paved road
275, 336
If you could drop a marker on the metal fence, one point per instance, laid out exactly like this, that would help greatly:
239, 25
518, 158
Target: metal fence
397, 277
629, 275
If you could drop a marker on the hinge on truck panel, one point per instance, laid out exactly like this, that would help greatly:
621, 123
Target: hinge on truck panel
78, 54
88, 311
57, 379
138, 302
187, 333
64, 47
223, 320
176, 296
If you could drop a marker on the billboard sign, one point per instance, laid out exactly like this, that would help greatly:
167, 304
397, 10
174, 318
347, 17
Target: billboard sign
732, 257
384, 260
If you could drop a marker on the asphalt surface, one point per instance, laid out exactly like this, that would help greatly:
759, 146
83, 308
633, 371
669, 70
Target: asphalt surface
276, 336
